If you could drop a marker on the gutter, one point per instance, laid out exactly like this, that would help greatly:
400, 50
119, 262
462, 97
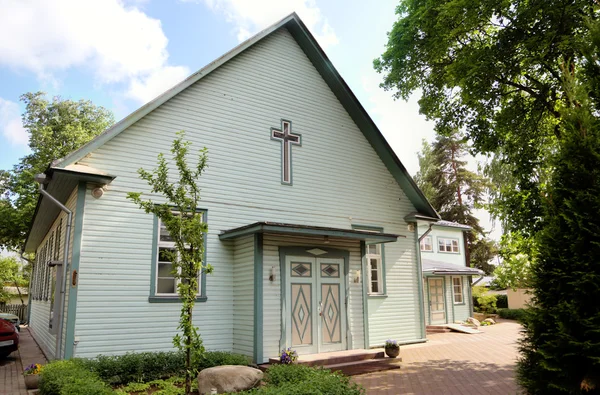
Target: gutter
41, 179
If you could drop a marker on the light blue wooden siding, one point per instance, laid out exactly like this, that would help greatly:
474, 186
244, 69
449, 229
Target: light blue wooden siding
272, 290
243, 295
338, 181
462, 311
397, 316
439, 232
40, 310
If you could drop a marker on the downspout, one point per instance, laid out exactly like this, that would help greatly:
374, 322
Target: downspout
32, 263
424, 234
41, 178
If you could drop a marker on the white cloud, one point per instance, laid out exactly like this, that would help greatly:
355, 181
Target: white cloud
119, 43
11, 125
152, 85
250, 17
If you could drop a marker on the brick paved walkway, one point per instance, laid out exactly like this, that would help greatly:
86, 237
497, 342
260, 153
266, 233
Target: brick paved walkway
11, 369
454, 363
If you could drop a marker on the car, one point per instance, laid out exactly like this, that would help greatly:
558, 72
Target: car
9, 338
12, 318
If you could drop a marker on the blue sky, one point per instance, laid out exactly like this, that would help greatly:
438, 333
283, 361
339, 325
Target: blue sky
121, 54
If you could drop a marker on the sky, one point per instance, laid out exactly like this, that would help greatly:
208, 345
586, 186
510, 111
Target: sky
122, 54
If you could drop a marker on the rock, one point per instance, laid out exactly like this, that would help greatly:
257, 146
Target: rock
490, 320
228, 378
474, 321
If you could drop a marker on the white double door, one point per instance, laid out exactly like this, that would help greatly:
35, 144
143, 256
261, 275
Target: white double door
315, 304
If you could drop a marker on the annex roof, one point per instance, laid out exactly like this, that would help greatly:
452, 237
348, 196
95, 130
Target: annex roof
443, 268
336, 83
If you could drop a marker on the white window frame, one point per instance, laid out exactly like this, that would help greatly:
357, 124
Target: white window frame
378, 257
422, 244
454, 289
170, 245
449, 245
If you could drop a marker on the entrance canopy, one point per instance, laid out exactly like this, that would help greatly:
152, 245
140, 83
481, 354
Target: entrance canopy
306, 230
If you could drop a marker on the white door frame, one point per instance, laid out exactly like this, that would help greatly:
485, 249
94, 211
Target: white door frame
443, 294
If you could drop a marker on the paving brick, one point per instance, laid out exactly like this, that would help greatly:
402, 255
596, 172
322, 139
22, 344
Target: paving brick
454, 363
11, 368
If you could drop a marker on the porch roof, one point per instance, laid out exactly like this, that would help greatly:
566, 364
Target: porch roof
444, 268
307, 230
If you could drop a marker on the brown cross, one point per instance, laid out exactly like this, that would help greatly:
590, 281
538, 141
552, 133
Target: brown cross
287, 139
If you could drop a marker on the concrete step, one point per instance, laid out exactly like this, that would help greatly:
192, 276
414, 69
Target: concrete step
336, 358
367, 366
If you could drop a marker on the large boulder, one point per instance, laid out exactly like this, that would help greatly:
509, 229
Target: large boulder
474, 321
228, 378
490, 320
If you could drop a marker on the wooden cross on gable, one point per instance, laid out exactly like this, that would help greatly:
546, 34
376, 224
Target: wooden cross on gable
287, 139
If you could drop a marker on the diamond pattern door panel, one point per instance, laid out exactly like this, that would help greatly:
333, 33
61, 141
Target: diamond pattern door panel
331, 330
301, 314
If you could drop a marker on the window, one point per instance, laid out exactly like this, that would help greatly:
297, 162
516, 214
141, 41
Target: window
427, 244
375, 269
457, 290
165, 282
448, 245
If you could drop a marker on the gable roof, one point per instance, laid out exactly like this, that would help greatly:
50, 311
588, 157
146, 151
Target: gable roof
336, 83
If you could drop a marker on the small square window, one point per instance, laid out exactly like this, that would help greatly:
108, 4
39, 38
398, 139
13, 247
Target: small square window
427, 244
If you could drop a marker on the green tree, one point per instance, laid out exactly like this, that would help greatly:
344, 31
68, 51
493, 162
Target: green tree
454, 191
491, 68
11, 275
497, 70
561, 347
55, 128
187, 229
518, 257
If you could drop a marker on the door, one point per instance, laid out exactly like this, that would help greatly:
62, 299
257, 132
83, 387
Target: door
316, 302
437, 305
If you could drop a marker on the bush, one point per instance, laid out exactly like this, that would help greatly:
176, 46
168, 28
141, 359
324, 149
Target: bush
513, 314
501, 301
135, 367
148, 366
71, 378
487, 304
304, 380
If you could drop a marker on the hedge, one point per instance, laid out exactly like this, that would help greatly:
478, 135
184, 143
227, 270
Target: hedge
148, 366
513, 314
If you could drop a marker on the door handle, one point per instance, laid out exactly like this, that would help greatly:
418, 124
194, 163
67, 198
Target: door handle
321, 308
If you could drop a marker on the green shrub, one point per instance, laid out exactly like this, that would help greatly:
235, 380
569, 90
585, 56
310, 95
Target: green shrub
136, 367
147, 366
219, 358
486, 303
513, 314
304, 380
71, 378
501, 301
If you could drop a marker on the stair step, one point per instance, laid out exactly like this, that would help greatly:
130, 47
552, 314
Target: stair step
366, 366
336, 359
